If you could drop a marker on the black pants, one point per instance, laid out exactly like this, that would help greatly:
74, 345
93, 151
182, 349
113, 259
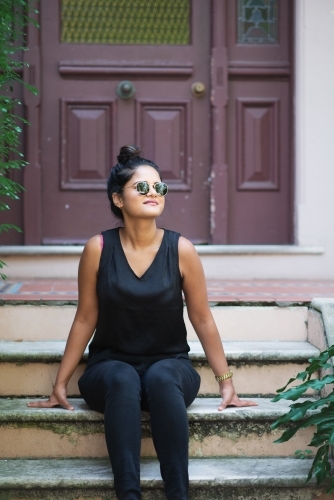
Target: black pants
166, 389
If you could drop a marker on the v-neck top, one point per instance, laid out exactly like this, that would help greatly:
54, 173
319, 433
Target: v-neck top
140, 319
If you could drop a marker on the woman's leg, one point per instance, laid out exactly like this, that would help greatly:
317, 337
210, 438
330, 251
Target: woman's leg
113, 388
170, 386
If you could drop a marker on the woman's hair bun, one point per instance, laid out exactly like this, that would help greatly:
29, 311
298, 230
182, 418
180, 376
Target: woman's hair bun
129, 160
127, 153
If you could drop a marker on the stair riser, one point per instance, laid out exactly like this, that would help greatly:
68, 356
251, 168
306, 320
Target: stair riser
211, 493
37, 379
194, 494
29, 322
206, 439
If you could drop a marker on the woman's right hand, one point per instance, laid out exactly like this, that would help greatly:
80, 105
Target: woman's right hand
57, 398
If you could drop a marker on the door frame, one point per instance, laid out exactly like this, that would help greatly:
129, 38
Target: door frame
219, 98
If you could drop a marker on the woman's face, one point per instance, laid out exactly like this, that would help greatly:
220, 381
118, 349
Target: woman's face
134, 204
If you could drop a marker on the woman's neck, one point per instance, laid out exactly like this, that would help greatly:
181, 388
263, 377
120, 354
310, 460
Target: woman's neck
140, 234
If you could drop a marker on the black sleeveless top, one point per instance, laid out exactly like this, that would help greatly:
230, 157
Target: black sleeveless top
140, 319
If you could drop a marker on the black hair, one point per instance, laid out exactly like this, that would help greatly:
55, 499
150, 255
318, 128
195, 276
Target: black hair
129, 160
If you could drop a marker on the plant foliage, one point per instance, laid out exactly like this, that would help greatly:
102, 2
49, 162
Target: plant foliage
319, 413
14, 18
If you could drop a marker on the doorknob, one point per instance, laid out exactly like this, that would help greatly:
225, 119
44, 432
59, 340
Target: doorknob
198, 89
125, 89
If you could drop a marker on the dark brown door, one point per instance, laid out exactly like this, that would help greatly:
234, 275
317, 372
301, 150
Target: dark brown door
159, 49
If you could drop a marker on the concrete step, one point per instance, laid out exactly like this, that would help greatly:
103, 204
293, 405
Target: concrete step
210, 479
30, 368
55, 433
52, 321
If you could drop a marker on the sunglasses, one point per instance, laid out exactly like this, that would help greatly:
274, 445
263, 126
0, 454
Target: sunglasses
143, 187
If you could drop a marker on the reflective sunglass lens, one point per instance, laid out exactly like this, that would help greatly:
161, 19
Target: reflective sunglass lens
143, 187
161, 188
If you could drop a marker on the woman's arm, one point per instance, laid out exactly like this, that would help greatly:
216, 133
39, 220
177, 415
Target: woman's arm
83, 325
195, 293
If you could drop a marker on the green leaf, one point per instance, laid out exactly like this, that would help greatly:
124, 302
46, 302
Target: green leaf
303, 453
4, 206
296, 392
288, 434
283, 388
9, 188
6, 227
324, 420
319, 466
319, 439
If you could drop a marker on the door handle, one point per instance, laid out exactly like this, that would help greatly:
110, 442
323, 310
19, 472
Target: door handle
198, 89
125, 89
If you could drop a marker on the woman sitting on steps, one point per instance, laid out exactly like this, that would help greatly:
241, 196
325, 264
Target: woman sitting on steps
130, 293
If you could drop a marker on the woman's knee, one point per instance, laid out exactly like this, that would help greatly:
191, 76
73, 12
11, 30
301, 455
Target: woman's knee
170, 378
109, 375
122, 377
161, 374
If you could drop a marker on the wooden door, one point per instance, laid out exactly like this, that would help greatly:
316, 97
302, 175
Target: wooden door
252, 73
88, 51
260, 122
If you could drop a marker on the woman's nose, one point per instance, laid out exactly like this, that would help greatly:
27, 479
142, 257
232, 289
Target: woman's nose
152, 191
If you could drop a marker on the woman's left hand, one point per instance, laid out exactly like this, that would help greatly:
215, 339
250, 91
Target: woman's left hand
230, 397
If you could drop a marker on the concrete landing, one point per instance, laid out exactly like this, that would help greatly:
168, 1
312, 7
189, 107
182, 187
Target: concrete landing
219, 290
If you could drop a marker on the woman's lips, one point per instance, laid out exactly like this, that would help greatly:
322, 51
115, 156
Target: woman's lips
150, 203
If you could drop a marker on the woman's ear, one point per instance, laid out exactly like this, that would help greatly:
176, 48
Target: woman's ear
117, 199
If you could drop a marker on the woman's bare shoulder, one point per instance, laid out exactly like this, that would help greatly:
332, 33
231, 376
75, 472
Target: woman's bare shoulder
92, 251
189, 260
94, 243
186, 247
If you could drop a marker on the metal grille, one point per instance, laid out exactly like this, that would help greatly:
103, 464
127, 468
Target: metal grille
257, 21
126, 21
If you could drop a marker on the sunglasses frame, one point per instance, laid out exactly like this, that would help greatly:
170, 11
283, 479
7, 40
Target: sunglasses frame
143, 193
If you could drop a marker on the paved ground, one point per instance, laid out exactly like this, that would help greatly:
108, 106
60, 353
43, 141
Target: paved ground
218, 290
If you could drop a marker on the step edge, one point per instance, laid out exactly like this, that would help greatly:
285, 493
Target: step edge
60, 415
294, 479
76, 250
301, 351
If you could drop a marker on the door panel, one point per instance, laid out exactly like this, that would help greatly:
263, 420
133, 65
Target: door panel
257, 142
259, 156
82, 112
267, 43
87, 139
163, 130
259, 145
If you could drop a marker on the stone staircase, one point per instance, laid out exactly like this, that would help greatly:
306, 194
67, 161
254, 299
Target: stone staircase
54, 453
